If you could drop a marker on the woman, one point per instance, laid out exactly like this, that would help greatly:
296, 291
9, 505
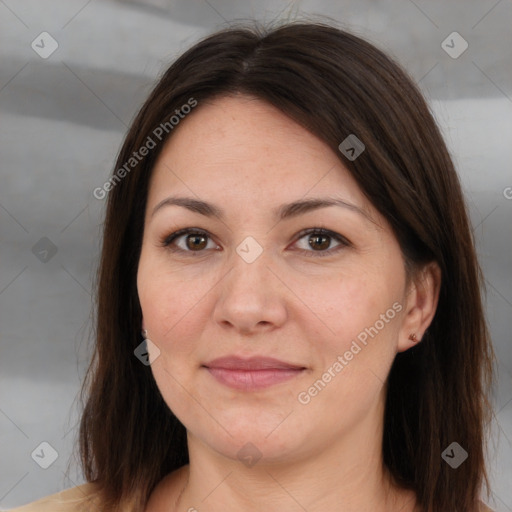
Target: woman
286, 229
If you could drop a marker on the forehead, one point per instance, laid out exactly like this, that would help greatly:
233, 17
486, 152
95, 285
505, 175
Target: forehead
243, 149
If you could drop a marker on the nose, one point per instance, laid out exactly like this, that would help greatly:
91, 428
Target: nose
251, 298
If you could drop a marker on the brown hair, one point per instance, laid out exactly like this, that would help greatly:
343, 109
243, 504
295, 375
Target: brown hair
334, 84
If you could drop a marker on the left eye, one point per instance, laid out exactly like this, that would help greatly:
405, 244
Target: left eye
319, 241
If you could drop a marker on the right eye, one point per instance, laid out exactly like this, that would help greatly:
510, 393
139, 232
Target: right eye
188, 240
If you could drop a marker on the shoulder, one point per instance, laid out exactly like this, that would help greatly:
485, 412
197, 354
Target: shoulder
77, 499
484, 507
168, 490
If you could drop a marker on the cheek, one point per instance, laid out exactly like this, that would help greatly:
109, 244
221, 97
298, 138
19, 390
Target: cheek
357, 319
171, 308
170, 303
354, 361
343, 305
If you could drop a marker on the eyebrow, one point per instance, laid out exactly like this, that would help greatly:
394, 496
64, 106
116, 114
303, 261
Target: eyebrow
282, 212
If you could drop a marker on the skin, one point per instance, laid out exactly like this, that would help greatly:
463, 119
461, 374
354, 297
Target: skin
248, 158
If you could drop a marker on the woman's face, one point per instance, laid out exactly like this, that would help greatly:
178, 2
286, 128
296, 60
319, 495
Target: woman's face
257, 280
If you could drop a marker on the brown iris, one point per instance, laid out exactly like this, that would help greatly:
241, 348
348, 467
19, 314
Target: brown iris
196, 241
319, 241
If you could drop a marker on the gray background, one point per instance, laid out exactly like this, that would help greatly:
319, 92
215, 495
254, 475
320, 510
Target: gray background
63, 119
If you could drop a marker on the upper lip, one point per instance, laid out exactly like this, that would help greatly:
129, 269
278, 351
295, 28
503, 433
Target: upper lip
251, 363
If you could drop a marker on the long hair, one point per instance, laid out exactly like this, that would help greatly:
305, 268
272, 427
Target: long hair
334, 84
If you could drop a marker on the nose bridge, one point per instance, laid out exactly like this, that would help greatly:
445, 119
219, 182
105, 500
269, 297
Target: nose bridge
249, 265
249, 296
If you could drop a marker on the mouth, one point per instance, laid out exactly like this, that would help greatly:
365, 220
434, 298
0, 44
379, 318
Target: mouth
253, 373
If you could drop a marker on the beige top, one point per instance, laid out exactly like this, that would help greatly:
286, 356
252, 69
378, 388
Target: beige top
77, 499
83, 498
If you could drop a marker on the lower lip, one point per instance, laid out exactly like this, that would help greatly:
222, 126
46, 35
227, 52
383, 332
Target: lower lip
251, 380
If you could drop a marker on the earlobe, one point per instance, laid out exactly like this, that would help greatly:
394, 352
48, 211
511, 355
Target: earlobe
421, 305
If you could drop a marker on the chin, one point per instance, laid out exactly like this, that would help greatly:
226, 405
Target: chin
251, 444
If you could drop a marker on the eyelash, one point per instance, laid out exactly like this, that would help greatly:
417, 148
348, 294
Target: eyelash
169, 239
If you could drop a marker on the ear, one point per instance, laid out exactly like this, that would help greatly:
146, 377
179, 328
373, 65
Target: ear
422, 296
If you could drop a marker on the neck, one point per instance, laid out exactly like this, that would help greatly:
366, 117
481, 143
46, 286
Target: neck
348, 475
290, 490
